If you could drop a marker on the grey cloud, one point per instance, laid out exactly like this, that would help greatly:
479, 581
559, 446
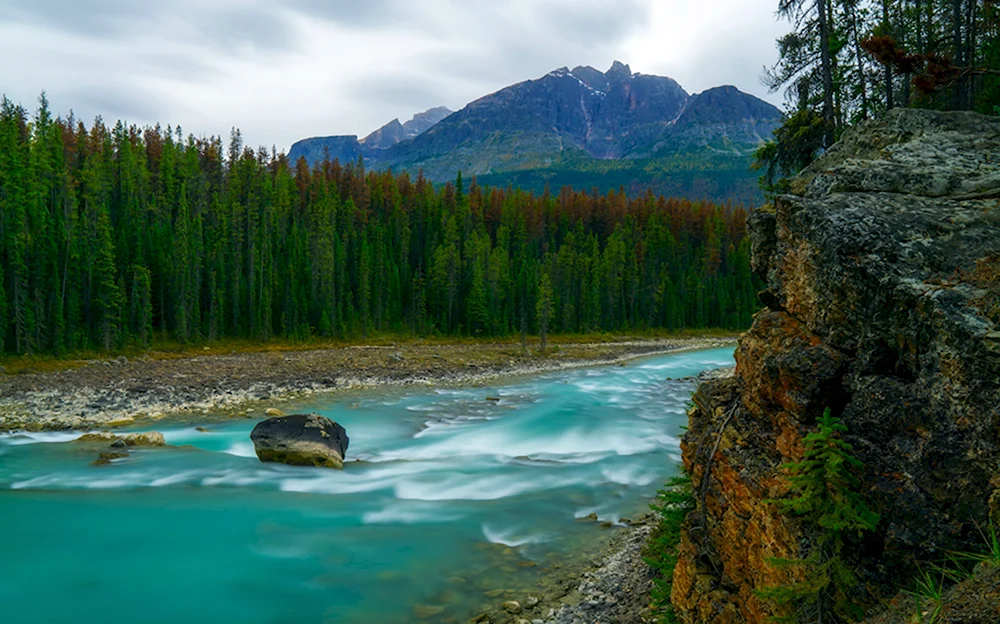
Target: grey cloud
595, 23
364, 13
201, 23
560, 34
718, 65
392, 89
88, 17
213, 63
259, 27
112, 102
177, 65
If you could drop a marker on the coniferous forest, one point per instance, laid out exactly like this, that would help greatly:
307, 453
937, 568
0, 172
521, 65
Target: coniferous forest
846, 61
114, 236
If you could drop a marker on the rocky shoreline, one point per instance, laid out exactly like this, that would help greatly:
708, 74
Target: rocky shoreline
610, 584
121, 392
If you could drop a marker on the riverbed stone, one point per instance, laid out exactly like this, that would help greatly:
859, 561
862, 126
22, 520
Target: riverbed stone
103, 436
513, 607
119, 441
106, 457
424, 611
301, 440
145, 438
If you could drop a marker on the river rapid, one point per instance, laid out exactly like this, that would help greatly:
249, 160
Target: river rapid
448, 502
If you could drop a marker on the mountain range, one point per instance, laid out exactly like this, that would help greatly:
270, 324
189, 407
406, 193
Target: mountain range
583, 127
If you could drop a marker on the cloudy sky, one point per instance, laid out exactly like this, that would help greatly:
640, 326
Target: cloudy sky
282, 70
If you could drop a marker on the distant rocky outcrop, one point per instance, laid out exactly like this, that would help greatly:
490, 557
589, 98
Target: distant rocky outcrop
880, 270
347, 148
301, 440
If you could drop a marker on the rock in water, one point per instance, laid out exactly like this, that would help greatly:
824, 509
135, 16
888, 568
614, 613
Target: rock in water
147, 438
301, 440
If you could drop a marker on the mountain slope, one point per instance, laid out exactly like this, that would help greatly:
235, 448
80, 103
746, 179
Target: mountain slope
347, 148
602, 129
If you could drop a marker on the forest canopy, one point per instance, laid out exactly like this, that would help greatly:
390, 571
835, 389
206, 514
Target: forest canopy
111, 236
846, 61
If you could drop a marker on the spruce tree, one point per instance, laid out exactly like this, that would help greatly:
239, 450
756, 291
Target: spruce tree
109, 294
544, 308
825, 496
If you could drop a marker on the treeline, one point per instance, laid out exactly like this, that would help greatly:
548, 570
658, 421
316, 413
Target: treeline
112, 236
849, 60
714, 177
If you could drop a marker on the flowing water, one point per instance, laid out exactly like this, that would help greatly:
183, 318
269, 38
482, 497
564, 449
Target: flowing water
453, 495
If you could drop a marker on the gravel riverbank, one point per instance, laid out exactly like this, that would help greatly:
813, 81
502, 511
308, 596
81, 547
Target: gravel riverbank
119, 392
611, 585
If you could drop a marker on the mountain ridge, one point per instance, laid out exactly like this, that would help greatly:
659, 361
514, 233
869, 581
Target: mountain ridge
569, 116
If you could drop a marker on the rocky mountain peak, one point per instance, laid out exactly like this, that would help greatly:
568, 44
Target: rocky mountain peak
618, 72
422, 122
386, 136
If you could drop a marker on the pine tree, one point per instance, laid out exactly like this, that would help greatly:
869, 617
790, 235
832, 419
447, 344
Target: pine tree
109, 297
544, 308
476, 310
141, 299
825, 496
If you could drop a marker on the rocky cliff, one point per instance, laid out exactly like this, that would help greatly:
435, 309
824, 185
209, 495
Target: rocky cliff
882, 302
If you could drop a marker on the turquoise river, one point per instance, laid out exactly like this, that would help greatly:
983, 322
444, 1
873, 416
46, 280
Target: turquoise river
445, 496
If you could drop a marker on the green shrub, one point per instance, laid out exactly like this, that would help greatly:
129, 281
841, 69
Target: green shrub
825, 495
673, 504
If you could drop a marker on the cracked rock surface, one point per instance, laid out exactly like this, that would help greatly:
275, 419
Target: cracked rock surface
874, 308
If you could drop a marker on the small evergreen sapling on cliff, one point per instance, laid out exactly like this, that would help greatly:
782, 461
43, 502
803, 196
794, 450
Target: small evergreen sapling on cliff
825, 495
675, 501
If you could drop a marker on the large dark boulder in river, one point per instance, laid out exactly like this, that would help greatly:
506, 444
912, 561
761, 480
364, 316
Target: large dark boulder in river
301, 440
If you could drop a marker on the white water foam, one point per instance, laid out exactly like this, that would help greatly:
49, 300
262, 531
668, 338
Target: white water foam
512, 537
628, 475
408, 514
241, 449
46, 437
493, 487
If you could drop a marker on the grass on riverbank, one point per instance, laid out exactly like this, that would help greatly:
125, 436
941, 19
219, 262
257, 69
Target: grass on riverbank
165, 348
673, 504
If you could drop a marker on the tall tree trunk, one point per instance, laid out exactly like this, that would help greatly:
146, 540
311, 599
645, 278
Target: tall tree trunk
829, 118
957, 51
860, 61
889, 103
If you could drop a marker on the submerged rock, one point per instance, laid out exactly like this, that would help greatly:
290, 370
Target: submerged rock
301, 440
423, 611
105, 458
513, 607
145, 438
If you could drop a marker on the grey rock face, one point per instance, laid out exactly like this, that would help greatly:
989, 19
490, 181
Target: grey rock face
912, 152
870, 262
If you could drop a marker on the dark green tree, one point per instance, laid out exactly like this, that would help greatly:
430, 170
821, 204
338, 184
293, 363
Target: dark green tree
825, 495
544, 308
